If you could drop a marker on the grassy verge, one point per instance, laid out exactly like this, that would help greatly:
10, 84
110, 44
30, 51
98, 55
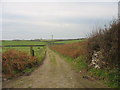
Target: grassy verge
52, 59
78, 63
40, 54
110, 77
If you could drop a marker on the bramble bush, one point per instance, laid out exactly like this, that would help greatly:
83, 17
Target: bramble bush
14, 62
105, 40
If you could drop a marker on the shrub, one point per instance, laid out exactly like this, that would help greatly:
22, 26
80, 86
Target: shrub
14, 61
105, 40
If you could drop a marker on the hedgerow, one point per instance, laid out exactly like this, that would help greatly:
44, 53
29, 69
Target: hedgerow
14, 62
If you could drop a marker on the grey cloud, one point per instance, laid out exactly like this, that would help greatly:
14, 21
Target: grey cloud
63, 21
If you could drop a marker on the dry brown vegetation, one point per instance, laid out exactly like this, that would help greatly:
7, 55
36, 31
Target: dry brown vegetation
72, 50
105, 40
14, 61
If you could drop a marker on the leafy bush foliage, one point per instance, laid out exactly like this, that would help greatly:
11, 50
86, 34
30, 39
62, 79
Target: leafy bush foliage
105, 40
14, 61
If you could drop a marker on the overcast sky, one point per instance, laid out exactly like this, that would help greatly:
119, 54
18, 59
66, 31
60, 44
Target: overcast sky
32, 20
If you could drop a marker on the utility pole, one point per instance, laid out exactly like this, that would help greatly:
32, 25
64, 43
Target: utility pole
52, 39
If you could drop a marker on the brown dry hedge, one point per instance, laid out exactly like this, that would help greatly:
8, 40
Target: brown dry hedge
14, 61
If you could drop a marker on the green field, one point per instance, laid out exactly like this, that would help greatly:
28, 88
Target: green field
67, 41
26, 49
26, 42
23, 43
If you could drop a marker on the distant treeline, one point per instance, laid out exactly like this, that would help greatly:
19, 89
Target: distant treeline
46, 40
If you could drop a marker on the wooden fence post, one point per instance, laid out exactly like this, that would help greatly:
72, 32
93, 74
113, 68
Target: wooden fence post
31, 51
